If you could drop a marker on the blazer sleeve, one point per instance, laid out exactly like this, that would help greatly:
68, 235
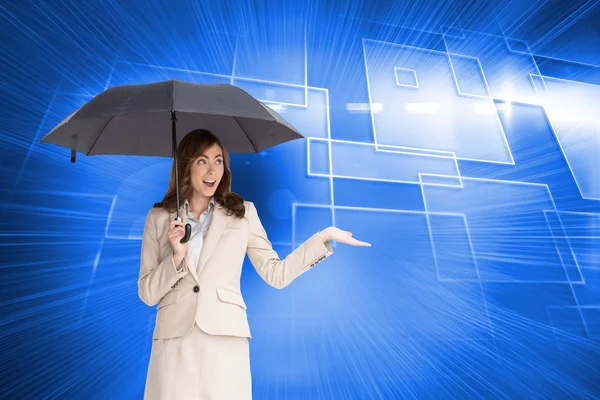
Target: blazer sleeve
276, 272
157, 277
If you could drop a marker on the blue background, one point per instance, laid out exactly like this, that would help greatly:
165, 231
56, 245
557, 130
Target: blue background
460, 138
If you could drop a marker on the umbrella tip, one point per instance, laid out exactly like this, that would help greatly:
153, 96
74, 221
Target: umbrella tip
73, 155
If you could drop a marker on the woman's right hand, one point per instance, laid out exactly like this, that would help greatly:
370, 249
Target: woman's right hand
175, 234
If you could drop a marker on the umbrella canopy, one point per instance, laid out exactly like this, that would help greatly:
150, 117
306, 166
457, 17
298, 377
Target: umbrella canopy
137, 120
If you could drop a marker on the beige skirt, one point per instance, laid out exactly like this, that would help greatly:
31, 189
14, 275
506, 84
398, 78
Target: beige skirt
199, 366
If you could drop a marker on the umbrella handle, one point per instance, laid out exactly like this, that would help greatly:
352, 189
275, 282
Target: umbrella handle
188, 233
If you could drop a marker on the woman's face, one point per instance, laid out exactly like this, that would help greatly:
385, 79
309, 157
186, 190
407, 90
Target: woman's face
208, 167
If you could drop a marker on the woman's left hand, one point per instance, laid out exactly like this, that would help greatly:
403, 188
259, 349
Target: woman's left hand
333, 233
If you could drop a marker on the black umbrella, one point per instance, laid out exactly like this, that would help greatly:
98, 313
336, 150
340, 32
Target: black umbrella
135, 120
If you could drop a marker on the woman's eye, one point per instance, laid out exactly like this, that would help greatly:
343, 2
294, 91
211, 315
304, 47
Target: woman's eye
202, 161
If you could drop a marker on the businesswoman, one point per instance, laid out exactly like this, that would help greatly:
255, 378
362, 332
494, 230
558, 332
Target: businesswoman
200, 347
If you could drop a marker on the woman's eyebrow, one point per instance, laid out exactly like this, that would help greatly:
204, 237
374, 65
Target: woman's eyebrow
205, 156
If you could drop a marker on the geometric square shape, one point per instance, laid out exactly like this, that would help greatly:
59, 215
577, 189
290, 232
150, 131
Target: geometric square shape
511, 240
469, 76
357, 160
452, 248
506, 63
406, 77
318, 157
572, 111
459, 131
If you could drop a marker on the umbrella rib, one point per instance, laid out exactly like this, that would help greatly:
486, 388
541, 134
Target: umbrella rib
250, 140
99, 134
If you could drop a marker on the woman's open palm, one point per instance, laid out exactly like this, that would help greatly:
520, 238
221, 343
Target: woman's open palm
339, 235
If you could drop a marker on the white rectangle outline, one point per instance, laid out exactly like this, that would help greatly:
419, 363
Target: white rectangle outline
416, 85
364, 40
399, 151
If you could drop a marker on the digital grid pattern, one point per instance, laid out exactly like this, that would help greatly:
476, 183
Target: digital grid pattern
472, 169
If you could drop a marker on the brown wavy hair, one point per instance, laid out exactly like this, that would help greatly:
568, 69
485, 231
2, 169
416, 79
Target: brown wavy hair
192, 146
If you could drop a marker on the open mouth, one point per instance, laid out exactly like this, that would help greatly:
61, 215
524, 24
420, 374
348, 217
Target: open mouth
209, 184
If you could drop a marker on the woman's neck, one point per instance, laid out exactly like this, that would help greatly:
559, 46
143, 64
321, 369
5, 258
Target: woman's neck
198, 204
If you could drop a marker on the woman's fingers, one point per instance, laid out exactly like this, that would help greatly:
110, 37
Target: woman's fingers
359, 243
356, 242
343, 236
176, 226
175, 223
176, 232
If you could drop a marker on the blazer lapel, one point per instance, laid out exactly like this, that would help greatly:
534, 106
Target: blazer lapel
216, 228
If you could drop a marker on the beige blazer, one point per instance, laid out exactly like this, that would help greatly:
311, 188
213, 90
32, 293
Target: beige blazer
209, 293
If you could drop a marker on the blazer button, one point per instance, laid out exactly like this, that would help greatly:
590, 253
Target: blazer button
196, 289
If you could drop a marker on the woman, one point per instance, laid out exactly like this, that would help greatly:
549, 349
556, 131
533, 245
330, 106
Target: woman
200, 346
